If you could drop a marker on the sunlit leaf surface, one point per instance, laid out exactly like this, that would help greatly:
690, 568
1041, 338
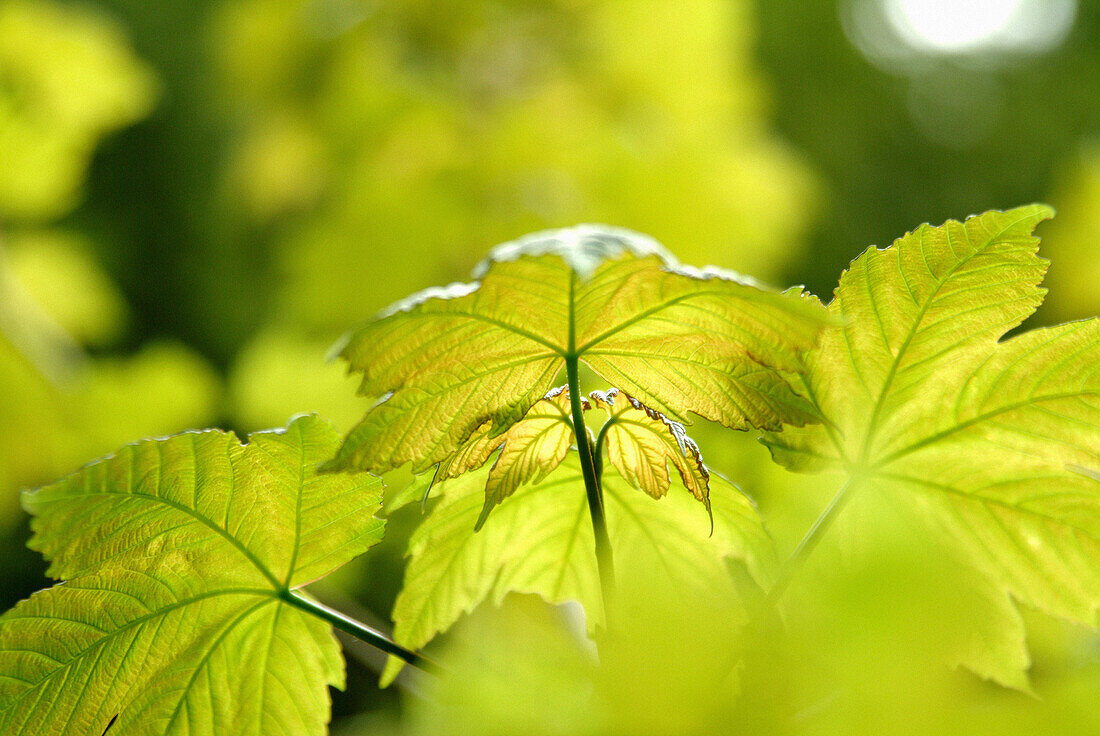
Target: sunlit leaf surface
448, 360
990, 442
173, 553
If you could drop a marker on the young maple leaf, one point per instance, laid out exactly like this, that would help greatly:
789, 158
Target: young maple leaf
641, 443
989, 442
529, 449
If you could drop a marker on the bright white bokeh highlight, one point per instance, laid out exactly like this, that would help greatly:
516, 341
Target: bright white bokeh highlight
952, 54
975, 26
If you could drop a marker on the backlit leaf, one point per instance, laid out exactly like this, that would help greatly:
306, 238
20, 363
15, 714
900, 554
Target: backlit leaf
532, 448
982, 439
448, 360
642, 442
174, 554
540, 541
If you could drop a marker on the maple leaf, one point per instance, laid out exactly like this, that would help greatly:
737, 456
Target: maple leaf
529, 450
183, 559
989, 442
447, 361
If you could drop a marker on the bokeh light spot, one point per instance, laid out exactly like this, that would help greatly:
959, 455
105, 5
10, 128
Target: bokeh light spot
967, 26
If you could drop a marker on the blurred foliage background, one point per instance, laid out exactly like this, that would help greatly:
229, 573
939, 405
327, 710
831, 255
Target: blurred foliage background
198, 197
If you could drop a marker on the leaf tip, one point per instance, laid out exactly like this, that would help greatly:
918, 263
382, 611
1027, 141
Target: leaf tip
393, 668
336, 350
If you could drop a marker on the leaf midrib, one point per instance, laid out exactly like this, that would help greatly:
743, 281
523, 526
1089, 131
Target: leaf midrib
992, 501
237, 544
508, 327
943, 434
648, 313
571, 349
226, 631
130, 625
872, 423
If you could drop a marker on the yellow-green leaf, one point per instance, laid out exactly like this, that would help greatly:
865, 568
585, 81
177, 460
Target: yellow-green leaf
175, 553
979, 437
540, 541
532, 448
642, 442
446, 361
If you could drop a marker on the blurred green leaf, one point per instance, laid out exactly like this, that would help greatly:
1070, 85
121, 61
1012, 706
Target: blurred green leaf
281, 372
67, 78
54, 272
540, 541
1071, 243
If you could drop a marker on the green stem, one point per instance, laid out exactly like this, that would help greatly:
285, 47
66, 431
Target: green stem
591, 482
598, 452
359, 630
584, 449
809, 542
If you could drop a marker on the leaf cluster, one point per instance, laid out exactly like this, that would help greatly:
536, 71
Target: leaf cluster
183, 559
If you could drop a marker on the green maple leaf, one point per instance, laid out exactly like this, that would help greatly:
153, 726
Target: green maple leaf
540, 541
990, 442
445, 362
180, 557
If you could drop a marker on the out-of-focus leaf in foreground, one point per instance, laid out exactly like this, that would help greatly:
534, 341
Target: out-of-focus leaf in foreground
446, 361
540, 541
983, 439
861, 653
174, 554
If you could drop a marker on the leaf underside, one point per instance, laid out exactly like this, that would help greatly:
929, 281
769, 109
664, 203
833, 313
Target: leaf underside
642, 443
989, 442
528, 451
173, 553
540, 541
445, 362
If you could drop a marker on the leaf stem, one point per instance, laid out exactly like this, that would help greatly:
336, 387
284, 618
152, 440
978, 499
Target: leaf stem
809, 542
597, 454
584, 449
591, 482
359, 630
